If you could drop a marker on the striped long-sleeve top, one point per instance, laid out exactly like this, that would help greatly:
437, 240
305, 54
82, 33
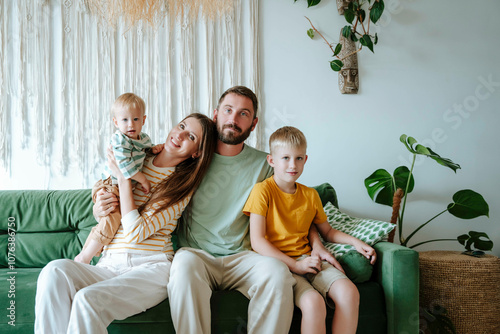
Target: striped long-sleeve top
145, 233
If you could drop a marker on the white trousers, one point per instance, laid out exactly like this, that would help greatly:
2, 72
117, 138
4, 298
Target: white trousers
266, 281
72, 297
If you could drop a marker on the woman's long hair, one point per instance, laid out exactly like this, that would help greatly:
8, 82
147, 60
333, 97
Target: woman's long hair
188, 174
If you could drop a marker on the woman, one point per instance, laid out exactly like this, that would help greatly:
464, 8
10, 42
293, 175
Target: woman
132, 274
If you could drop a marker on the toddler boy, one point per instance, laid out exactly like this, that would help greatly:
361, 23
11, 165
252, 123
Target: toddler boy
282, 213
129, 145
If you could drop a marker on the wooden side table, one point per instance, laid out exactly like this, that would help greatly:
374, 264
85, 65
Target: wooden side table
468, 287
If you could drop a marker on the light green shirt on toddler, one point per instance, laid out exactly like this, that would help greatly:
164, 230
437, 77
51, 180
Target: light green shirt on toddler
216, 223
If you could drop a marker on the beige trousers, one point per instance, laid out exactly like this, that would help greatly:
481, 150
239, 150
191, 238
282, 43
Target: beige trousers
266, 281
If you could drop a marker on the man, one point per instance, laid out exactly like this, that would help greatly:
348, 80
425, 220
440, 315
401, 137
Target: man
215, 253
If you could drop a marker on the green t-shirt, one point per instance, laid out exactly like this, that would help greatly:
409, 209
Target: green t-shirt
215, 222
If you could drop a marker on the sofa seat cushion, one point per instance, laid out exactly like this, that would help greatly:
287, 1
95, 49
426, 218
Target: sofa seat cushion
18, 286
229, 309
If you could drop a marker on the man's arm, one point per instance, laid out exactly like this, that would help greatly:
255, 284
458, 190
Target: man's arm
264, 247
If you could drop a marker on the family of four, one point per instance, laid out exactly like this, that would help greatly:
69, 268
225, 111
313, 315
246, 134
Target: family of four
242, 221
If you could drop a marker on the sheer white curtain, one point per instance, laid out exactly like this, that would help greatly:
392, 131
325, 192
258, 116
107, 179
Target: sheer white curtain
60, 71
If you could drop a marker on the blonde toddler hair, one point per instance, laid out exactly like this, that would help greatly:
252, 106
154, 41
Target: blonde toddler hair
128, 100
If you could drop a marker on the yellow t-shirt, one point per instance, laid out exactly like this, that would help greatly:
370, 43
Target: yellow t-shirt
288, 216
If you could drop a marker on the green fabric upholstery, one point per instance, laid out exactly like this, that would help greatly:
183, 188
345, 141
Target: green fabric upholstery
49, 224
327, 194
54, 224
397, 271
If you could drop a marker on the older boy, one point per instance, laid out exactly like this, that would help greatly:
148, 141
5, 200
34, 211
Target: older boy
281, 216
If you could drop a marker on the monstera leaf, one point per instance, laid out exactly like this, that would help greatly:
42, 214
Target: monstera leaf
381, 185
468, 204
413, 147
478, 240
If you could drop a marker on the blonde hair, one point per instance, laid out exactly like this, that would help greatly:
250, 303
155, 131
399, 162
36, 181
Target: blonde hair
287, 136
128, 100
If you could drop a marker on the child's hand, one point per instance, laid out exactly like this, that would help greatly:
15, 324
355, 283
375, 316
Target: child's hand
146, 186
157, 148
366, 251
309, 265
325, 255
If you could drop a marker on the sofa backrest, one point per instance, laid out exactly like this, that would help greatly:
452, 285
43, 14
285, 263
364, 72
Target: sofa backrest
327, 194
38, 226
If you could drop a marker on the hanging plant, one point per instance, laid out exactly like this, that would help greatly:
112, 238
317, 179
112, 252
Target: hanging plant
358, 14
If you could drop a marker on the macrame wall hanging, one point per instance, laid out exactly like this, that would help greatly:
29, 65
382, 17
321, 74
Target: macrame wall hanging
63, 62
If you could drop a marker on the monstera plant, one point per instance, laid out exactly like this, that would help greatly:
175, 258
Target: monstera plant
391, 190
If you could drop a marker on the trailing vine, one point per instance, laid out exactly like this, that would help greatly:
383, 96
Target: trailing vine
357, 29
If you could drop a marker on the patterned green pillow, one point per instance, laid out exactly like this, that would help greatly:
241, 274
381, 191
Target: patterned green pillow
338, 250
356, 266
368, 230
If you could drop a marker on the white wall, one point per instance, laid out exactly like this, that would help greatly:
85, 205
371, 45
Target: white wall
431, 59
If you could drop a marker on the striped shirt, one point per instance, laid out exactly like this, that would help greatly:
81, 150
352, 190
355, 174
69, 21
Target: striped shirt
145, 233
129, 153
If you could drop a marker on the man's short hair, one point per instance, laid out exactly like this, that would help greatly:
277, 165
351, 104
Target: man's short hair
128, 100
242, 91
287, 136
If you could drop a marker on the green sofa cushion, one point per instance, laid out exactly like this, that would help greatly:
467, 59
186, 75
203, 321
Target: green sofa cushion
356, 266
327, 194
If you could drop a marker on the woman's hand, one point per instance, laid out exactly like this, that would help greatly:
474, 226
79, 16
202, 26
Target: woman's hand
104, 203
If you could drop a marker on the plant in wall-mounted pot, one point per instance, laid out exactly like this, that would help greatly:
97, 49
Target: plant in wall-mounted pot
392, 190
358, 14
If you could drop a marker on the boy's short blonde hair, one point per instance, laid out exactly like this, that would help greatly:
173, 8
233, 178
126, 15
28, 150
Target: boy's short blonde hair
128, 100
287, 136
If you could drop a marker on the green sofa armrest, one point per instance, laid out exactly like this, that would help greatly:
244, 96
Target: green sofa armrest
397, 271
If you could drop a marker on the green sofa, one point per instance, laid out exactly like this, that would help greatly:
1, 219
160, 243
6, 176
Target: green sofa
39, 226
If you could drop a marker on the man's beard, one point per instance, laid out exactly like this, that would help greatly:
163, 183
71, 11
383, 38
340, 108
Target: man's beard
231, 138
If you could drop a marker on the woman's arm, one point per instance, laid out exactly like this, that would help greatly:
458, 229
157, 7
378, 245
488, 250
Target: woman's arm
138, 227
264, 247
127, 202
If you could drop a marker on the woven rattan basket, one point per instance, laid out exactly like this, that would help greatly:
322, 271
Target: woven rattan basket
468, 287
